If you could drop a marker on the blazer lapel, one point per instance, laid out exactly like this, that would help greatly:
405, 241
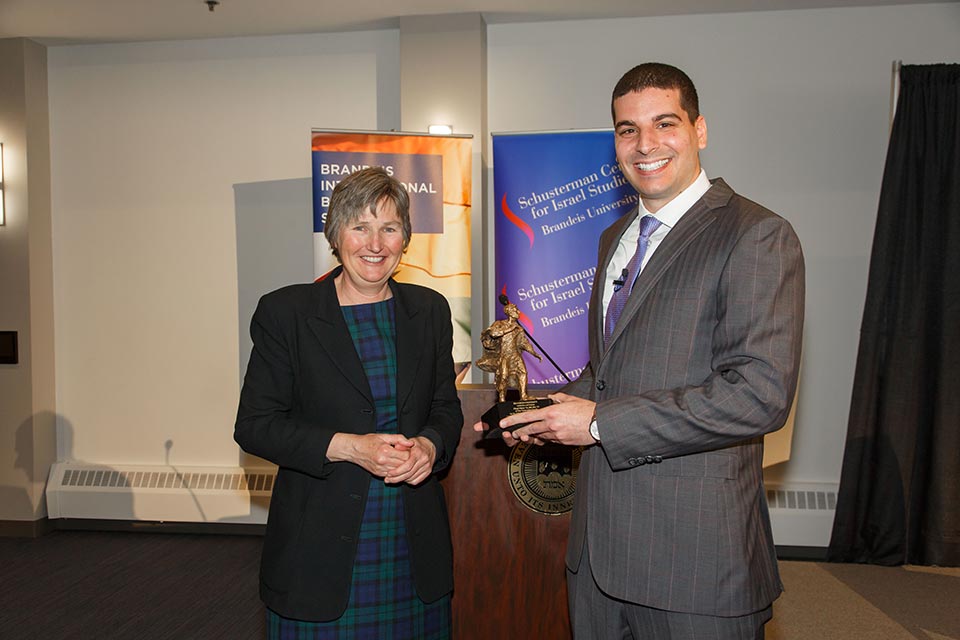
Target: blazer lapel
410, 338
333, 336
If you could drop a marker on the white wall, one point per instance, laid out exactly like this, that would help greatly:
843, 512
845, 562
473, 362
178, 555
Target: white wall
150, 140
797, 108
148, 143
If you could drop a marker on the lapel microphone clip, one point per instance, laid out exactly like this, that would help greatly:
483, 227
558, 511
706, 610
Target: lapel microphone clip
622, 280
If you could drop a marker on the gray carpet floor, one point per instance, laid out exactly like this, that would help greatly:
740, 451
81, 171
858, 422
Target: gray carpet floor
151, 586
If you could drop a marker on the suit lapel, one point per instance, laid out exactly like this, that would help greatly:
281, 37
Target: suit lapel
700, 216
333, 336
608, 246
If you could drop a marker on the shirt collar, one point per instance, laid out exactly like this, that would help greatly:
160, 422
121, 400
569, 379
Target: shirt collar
669, 214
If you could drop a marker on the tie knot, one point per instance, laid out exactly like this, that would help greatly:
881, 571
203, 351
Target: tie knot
648, 224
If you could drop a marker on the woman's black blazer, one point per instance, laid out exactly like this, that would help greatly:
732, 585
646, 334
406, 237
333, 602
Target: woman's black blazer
305, 383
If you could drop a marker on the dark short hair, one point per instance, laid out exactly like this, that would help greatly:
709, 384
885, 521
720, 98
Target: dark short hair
658, 76
362, 191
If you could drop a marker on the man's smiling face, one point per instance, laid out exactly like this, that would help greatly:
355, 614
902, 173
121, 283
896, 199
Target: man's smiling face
658, 148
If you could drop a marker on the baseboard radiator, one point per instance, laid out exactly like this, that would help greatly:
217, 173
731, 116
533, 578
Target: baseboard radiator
802, 515
159, 493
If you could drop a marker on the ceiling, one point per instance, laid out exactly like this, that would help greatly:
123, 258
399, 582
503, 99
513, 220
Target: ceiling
55, 22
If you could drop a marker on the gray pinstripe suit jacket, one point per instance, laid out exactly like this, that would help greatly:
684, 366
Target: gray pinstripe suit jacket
702, 363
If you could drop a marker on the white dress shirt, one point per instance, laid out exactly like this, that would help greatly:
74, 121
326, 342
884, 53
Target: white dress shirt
668, 215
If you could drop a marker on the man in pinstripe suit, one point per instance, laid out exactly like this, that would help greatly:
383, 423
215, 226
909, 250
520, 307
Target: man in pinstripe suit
670, 535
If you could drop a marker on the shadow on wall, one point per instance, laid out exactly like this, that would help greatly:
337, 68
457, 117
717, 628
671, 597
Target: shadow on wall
42, 433
274, 248
274, 244
15, 498
81, 490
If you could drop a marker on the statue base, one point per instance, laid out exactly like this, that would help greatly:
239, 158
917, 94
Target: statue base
501, 410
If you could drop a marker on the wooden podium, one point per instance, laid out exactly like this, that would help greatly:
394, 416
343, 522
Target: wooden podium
508, 560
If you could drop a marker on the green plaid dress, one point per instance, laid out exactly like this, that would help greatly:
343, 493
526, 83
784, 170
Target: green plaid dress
383, 602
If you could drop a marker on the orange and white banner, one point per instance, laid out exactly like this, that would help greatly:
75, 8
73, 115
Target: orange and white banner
436, 171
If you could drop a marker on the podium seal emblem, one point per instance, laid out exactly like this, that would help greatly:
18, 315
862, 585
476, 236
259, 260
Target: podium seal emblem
544, 478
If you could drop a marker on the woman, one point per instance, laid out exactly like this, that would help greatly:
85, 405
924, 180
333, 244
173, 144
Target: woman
350, 391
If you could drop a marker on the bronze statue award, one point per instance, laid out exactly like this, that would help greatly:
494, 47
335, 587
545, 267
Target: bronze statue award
504, 342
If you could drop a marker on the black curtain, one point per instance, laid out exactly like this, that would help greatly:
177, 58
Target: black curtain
899, 499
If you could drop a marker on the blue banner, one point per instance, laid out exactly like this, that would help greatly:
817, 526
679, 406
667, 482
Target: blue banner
554, 195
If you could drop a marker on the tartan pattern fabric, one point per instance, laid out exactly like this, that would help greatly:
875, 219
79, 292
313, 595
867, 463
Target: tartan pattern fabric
383, 602
373, 329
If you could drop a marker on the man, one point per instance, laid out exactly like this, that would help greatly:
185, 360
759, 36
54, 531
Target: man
691, 362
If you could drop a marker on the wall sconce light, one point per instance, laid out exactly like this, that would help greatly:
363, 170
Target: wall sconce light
439, 129
3, 210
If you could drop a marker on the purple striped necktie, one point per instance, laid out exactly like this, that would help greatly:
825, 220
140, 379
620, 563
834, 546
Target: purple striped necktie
648, 224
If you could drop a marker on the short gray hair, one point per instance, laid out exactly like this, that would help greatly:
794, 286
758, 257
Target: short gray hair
362, 191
